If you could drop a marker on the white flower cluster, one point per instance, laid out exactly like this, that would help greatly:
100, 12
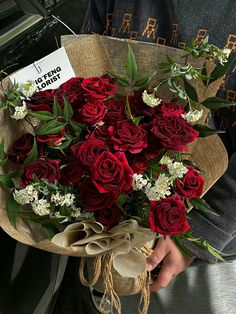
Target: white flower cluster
139, 182
176, 168
41, 207
161, 188
60, 200
20, 112
192, 116
150, 99
26, 195
28, 89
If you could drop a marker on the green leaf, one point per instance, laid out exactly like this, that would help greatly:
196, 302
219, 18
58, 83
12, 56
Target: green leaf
122, 199
122, 81
62, 146
131, 65
68, 111
43, 115
13, 209
128, 110
204, 73
50, 231
216, 102
190, 90
56, 108
180, 245
6, 181
220, 70
137, 120
34, 153
77, 127
2, 149
205, 130
51, 127
202, 206
3, 162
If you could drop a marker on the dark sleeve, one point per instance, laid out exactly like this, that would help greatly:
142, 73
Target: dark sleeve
95, 18
220, 230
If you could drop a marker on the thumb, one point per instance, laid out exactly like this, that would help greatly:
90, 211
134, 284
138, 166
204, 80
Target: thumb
157, 255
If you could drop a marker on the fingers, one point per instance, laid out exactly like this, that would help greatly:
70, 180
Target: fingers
157, 255
164, 277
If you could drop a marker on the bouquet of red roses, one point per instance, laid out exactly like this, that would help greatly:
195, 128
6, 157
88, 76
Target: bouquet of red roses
100, 165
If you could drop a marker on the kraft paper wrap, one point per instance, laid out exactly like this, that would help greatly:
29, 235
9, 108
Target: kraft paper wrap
92, 55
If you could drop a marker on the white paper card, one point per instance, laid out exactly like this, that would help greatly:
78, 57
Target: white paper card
48, 73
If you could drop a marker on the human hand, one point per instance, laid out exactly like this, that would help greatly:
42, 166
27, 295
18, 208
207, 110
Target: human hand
173, 261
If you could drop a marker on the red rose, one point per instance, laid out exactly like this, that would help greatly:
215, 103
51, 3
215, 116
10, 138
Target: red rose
41, 169
116, 111
71, 174
191, 185
21, 148
128, 136
171, 110
138, 163
102, 134
73, 91
111, 172
94, 200
92, 112
41, 101
108, 216
52, 139
98, 87
86, 152
173, 132
168, 216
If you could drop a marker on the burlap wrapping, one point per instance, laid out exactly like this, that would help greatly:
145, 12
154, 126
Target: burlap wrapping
91, 56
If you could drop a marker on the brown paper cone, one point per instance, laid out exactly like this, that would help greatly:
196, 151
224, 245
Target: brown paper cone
92, 56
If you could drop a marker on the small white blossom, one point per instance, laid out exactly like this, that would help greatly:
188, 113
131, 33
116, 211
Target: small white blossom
41, 207
165, 160
161, 188
139, 182
20, 112
150, 99
192, 116
26, 195
60, 200
28, 89
226, 52
177, 169
75, 211
35, 122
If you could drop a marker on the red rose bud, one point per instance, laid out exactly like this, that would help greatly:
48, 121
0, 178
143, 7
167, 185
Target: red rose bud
41, 101
109, 216
71, 174
98, 87
73, 91
94, 200
41, 169
92, 112
102, 134
52, 139
191, 185
111, 172
116, 111
138, 163
86, 152
168, 216
128, 136
173, 132
21, 148
171, 110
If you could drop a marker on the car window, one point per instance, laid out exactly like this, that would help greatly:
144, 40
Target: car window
9, 13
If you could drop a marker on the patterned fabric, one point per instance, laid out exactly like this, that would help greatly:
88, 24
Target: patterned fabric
174, 23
